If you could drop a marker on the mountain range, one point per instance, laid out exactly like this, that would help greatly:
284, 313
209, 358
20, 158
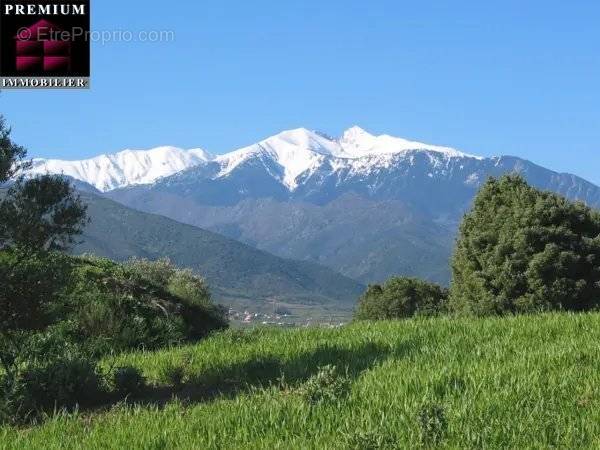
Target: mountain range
366, 206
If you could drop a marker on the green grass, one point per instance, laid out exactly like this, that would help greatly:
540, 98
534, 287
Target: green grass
525, 382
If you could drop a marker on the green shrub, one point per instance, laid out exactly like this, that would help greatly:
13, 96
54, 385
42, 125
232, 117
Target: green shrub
110, 307
401, 298
522, 250
44, 386
199, 314
128, 380
189, 287
327, 385
112, 322
159, 272
30, 288
51, 372
138, 305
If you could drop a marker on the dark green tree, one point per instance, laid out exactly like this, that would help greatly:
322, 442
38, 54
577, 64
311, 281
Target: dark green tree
401, 298
41, 214
12, 156
522, 250
36, 215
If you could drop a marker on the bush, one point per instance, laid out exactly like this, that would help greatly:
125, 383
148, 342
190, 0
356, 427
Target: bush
43, 386
109, 322
327, 385
401, 298
110, 307
522, 250
140, 304
159, 272
31, 285
199, 314
128, 380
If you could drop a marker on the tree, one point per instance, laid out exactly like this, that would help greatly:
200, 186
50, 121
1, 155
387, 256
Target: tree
523, 250
401, 298
36, 216
12, 156
42, 213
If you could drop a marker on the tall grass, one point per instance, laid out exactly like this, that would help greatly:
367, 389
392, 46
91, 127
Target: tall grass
523, 382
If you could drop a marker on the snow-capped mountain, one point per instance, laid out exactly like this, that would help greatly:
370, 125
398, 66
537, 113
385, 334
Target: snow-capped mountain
126, 168
292, 156
367, 206
297, 154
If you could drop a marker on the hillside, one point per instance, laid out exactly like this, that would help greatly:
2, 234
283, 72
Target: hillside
441, 383
233, 270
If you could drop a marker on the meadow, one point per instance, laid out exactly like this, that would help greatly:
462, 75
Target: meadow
518, 382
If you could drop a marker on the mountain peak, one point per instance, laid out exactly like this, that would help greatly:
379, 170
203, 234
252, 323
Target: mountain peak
297, 136
355, 132
296, 151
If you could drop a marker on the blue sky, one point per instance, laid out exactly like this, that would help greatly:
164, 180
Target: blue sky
488, 78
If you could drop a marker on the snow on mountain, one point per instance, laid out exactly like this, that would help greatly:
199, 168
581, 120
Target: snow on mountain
128, 167
289, 157
358, 143
296, 151
302, 152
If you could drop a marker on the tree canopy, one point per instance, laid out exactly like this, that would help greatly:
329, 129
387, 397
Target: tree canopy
523, 250
42, 213
401, 298
12, 156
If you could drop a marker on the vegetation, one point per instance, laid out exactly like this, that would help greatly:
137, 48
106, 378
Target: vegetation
94, 307
12, 156
128, 380
522, 250
445, 382
59, 314
141, 304
36, 216
41, 214
400, 298
94, 352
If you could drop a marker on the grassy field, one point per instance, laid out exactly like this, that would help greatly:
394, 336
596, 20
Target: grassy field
525, 382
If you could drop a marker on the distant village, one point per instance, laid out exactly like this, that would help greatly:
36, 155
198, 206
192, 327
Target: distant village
273, 319
283, 319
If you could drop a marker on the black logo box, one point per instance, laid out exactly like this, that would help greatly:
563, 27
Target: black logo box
15, 16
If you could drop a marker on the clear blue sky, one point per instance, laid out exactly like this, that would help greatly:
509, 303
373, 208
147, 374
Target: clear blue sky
508, 77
